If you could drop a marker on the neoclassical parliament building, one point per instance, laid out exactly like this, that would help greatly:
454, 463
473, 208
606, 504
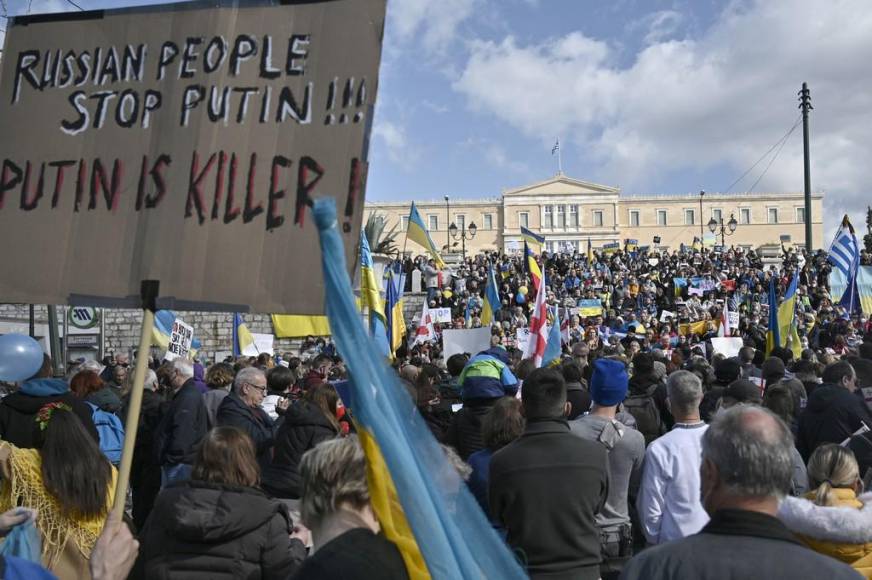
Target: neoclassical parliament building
568, 212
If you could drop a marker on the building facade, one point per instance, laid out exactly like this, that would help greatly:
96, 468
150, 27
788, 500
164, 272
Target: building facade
569, 212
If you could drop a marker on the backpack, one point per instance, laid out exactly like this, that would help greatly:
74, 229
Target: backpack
111, 433
644, 409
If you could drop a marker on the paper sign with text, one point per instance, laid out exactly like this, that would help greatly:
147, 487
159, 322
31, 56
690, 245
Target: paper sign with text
181, 337
173, 142
441, 315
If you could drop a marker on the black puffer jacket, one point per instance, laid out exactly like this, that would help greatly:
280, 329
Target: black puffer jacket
18, 410
303, 428
464, 433
832, 414
209, 531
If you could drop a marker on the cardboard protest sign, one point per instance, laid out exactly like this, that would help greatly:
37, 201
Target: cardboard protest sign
666, 315
590, 307
171, 142
472, 340
733, 319
181, 337
263, 343
727, 346
441, 315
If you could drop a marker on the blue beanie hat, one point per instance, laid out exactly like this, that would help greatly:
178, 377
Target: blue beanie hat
608, 385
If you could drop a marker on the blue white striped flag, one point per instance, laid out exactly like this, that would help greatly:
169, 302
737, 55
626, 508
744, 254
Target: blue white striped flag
845, 252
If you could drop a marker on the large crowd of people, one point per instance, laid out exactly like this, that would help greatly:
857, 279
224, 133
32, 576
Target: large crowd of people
642, 451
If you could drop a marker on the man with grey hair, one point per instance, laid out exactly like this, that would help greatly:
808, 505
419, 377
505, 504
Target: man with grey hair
183, 424
241, 408
668, 501
745, 472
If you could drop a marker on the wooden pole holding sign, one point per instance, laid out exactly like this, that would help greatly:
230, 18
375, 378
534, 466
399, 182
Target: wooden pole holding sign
148, 292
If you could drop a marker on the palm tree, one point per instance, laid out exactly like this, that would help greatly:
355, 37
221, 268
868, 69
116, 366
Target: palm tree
380, 242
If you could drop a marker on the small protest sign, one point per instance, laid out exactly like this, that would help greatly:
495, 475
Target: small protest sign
441, 315
181, 337
727, 346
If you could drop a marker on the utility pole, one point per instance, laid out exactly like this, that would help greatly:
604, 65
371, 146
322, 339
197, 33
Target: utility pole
447, 221
805, 105
701, 195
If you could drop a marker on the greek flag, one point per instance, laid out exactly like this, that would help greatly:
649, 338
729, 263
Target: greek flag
556, 147
844, 255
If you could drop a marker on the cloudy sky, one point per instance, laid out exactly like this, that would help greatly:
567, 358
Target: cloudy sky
652, 96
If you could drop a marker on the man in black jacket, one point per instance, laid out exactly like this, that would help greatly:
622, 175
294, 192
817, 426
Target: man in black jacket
746, 470
145, 470
183, 425
546, 487
834, 411
241, 408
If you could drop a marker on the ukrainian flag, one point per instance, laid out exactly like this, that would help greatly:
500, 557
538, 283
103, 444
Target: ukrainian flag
533, 267
553, 348
396, 324
163, 329
533, 239
371, 298
242, 338
773, 336
421, 503
418, 234
491, 299
786, 314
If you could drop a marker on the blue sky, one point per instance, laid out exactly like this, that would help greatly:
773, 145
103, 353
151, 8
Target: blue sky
652, 96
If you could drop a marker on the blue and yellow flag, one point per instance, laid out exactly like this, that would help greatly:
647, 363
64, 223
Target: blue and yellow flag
773, 336
163, 329
553, 348
396, 323
371, 298
491, 304
589, 252
533, 239
533, 267
786, 315
423, 506
242, 338
419, 234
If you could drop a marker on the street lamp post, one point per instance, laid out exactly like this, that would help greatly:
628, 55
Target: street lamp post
447, 221
463, 233
701, 195
727, 229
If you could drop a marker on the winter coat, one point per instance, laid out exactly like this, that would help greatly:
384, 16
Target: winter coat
843, 531
303, 428
464, 432
212, 531
578, 395
106, 399
487, 375
431, 276
832, 414
182, 427
234, 412
145, 471
18, 410
212, 399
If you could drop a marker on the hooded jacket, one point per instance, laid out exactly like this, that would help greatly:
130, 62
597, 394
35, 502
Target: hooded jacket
182, 426
303, 428
843, 531
487, 376
832, 414
211, 531
18, 410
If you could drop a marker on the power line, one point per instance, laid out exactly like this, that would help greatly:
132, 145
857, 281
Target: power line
762, 157
774, 157
76, 5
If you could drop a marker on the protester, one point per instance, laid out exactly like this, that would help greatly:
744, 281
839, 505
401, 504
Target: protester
336, 508
71, 491
503, 423
745, 473
846, 534
89, 386
183, 425
306, 424
546, 487
626, 449
647, 398
219, 521
18, 410
278, 383
241, 409
219, 379
145, 473
669, 503
834, 412
576, 392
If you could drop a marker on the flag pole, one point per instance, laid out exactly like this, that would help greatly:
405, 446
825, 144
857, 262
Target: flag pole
148, 292
559, 158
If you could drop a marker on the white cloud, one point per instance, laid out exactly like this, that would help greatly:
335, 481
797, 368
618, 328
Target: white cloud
659, 26
393, 138
693, 104
434, 23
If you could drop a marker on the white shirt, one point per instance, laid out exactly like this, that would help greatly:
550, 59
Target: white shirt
669, 496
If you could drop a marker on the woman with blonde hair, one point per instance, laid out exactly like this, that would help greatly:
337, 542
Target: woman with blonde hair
833, 519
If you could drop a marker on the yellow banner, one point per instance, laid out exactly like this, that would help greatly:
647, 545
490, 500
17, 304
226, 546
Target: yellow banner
296, 326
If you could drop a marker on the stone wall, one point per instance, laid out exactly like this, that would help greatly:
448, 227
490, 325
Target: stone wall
213, 329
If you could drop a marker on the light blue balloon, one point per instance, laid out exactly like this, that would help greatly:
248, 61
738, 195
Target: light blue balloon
20, 357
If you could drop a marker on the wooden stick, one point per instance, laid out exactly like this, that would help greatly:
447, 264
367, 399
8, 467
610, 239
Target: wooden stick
132, 424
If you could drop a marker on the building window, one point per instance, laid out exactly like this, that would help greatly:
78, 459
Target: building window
745, 215
561, 216
634, 218
488, 221
800, 215
549, 217
598, 219
717, 215
573, 216
524, 219
688, 217
549, 247
661, 217
773, 215
404, 223
460, 221
434, 222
